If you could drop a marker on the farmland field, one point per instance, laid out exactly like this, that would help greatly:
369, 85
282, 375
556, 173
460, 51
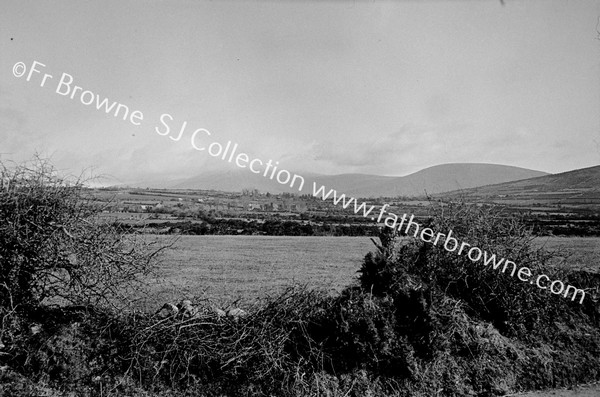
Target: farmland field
225, 268
576, 252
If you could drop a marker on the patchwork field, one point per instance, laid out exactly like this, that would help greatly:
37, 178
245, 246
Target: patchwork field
226, 268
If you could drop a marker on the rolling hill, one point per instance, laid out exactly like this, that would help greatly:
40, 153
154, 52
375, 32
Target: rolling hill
581, 185
436, 179
439, 178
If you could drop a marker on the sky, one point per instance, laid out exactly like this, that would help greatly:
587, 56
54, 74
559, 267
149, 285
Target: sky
374, 87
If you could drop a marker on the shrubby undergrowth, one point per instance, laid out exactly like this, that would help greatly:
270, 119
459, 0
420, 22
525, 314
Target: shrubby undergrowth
419, 321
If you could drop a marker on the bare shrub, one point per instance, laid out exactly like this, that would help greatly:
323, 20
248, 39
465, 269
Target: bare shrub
262, 351
52, 245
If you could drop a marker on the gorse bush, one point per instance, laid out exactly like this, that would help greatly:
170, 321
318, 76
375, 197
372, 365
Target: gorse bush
404, 264
473, 329
512, 306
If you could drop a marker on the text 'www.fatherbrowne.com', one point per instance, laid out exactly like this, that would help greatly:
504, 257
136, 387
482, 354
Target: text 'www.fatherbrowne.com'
200, 140
406, 224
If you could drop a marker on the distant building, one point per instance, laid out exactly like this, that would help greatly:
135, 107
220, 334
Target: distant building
253, 206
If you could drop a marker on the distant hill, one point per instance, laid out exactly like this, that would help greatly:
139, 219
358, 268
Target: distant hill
436, 179
440, 178
579, 183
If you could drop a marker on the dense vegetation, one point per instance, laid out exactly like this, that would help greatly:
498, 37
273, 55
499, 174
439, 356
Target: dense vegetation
420, 321
556, 225
579, 225
272, 227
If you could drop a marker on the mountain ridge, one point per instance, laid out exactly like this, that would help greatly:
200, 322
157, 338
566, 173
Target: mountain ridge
584, 179
431, 180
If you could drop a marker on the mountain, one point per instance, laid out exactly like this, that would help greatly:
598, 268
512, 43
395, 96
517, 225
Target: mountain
235, 180
581, 183
436, 179
440, 178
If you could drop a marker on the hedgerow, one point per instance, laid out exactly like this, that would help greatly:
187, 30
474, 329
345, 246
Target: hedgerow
419, 320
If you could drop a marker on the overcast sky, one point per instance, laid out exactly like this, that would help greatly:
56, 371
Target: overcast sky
328, 87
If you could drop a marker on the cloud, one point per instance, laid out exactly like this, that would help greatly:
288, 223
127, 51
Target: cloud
12, 133
410, 145
416, 146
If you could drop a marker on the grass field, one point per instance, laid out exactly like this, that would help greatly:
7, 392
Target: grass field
225, 268
577, 252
